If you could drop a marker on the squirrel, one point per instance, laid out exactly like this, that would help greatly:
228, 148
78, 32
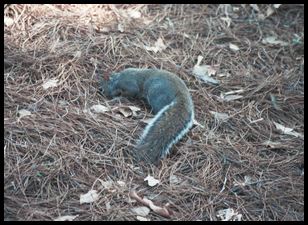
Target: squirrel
170, 101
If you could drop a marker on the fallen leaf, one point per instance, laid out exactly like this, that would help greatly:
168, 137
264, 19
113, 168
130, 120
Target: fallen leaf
229, 215
204, 72
247, 181
121, 183
23, 113
261, 16
151, 181
63, 103
147, 121
269, 11
273, 40
236, 9
141, 211
274, 102
223, 75
227, 20
50, 83
125, 112
195, 122
106, 184
108, 206
99, 108
272, 144
158, 46
276, 6
233, 47
175, 180
8, 21
120, 27
255, 121
134, 109
255, 7
163, 211
65, 218
186, 35
146, 21
287, 130
220, 116
77, 54
134, 14
89, 197
233, 92
229, 98
205, 69
140, 218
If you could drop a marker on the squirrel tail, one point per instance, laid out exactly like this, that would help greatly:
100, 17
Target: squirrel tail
167, 127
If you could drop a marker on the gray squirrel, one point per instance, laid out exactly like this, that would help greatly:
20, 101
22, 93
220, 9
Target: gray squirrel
169, 99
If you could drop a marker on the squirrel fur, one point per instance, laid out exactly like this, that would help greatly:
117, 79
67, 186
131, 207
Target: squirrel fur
169, 99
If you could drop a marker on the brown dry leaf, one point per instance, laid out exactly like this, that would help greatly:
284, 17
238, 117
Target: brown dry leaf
247, 181
276, 6
147, 121
89, 197
151, 181
176, 180
8, 21
135, 14
99, 108
121, 27
125, 112
287, 130
106, 184
121, 183
141, 218
108, 206
227, 20
23, 113
204, 72
233, 47
255, 7
229, 98
195, 122
234, 92
65, 218
273, 40
220, 116
141, 211
229, 215
272, 144
158, 46
163, 211
50, 83
269, 11
134, 109
224, 75
255, 121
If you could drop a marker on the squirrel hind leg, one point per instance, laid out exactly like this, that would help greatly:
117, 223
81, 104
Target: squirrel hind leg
159, 101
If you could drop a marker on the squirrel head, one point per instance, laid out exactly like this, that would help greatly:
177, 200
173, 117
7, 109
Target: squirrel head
112, 88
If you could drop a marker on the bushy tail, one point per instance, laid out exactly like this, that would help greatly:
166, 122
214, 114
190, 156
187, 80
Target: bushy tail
167, 127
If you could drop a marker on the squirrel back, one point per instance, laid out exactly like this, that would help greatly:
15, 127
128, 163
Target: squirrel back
169, 99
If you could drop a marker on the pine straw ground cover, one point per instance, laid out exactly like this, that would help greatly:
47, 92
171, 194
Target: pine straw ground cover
238, 159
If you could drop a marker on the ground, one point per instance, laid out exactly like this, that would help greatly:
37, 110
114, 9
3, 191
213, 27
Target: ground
244, 157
